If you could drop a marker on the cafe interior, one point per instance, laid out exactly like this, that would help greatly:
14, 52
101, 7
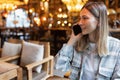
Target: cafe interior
25, 24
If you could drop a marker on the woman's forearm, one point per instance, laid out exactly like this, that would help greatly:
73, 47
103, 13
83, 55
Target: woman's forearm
64, 58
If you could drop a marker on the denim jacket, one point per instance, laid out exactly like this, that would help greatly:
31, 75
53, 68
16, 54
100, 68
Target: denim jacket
108, 67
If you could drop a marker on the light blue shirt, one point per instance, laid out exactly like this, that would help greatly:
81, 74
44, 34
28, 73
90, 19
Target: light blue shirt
88, 65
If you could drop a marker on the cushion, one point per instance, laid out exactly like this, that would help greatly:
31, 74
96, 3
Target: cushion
32, 53
11, 49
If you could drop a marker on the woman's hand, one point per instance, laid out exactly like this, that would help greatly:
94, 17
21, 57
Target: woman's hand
74, 38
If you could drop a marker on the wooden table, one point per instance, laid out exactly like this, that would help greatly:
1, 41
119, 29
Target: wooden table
57, 78
10, 71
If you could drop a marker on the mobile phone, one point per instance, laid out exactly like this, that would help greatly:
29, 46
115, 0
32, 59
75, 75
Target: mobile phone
77, 29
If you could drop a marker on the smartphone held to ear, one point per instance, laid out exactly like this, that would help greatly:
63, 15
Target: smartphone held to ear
77, 29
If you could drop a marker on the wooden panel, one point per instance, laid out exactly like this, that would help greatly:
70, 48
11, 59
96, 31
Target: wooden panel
8, 75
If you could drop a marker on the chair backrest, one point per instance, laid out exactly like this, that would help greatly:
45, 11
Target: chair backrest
46, 47
11, 56
46, 51
17, 41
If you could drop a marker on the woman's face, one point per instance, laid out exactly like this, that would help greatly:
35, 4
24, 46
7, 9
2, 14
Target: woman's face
87, 22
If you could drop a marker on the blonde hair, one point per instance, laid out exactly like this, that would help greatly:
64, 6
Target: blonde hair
99, 10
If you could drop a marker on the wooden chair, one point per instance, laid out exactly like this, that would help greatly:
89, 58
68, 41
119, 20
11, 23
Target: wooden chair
11, 40
47, 64
10, 71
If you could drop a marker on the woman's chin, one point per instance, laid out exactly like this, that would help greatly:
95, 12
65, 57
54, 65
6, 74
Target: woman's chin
84, 33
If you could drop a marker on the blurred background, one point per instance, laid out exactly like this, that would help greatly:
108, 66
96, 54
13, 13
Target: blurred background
48, 20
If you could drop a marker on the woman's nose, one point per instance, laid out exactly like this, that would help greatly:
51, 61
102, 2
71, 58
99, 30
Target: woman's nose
80, 22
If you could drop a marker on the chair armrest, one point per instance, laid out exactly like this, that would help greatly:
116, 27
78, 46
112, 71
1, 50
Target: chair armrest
32, 65
10, 58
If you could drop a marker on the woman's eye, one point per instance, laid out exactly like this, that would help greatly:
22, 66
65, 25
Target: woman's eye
85, 18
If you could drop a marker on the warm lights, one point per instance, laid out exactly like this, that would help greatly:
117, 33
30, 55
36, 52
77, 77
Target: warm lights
62, 15
50, 25
58, 22
37, 20
44, 18
26, 1
9, 4
60, 10
69, 24
65, 22
46, 6
31, 10
74, 5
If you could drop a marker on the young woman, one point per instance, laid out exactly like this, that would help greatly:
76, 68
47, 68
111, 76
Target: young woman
92, 54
